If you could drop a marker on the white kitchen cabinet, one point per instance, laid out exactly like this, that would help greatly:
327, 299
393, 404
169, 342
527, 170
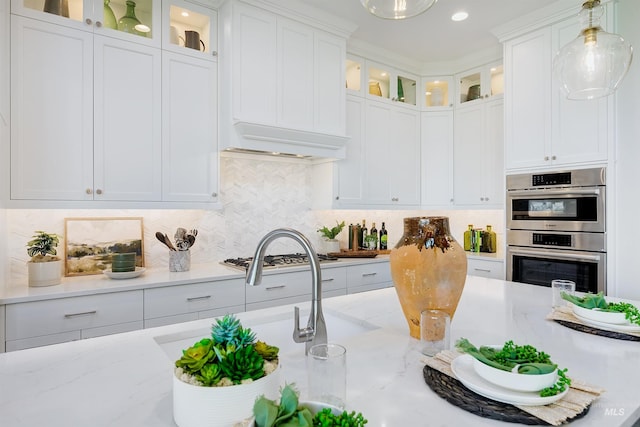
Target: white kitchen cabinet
349, 173
436, 93
285, 83
490, 268
89, 16
436, 151
387, 83
85, 108
482, 83
367, 277
543, 128
174, 304
383, 156
478, 154
286, 288
189, 129
36, 323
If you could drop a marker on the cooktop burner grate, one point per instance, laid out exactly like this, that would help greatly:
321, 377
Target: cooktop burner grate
274, 261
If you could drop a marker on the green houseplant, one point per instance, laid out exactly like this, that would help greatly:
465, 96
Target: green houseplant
217, 380
45, 267
330, 234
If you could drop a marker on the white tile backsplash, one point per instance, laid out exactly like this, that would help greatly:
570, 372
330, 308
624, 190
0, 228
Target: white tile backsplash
257, 196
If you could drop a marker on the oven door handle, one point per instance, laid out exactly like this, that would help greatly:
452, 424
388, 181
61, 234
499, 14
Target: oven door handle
554, 191
555, 254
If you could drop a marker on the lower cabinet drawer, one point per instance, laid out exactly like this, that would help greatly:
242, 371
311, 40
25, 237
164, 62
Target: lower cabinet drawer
368, 274
184, 299
188, 317
49, 317
279, 286
485, 268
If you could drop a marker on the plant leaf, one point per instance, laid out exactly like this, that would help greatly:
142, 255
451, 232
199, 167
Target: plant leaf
265, 412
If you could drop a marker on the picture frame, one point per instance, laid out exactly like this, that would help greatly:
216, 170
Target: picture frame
90, 242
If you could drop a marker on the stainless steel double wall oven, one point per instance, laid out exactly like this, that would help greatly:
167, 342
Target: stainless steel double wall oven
556, 228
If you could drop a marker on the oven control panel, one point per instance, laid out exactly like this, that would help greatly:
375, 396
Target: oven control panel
546, 179
563, 240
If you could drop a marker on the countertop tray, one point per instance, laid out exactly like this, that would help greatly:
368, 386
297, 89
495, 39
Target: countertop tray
596, 331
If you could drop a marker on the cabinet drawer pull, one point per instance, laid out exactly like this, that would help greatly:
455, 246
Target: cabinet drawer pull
272, 288
331, 279
85, 313
198, 298
483, 269
368, 274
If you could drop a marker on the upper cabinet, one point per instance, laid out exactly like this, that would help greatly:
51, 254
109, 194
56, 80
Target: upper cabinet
130, 20
189, 29
436, 93
543, 128
381, 82
284, 87
482, 83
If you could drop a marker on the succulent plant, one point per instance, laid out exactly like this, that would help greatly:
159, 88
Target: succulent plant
209, 375
268, 352
226, 329
195, 357
244, 338
245, 363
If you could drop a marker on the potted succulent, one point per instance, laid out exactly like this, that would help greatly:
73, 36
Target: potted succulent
45, 268
330, 234
218, 379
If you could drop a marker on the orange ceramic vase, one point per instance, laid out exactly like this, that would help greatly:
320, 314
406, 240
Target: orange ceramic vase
428, 268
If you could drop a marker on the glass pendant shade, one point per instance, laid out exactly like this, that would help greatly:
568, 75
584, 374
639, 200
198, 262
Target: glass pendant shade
594, 64
397, 9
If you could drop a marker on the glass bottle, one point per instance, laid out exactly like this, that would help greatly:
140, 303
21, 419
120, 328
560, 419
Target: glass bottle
374, 232
489, 240
468, 236
129, 21
363, 234
383, 237
109, 20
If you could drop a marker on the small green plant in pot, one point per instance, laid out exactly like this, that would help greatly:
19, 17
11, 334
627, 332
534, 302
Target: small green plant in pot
227, 371
45, 267
330, 234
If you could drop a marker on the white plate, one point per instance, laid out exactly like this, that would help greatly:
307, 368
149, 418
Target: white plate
462, 367
126, 274
600, 316
628, 327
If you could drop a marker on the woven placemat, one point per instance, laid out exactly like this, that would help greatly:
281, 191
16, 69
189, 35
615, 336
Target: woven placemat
596, 331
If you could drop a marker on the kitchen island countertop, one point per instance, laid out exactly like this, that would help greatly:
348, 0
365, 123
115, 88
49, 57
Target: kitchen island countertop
125, 379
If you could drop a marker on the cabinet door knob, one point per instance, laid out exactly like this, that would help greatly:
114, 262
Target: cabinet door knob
214, 53
88, 21
553, 157
98, 191
214, 194
98, 24
337, 197
88, 191
486, 199
546, 158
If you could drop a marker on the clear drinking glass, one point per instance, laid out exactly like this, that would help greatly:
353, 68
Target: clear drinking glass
327, 374
434, 331
557, 287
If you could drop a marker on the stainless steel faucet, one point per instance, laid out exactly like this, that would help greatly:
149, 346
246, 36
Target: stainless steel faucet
316, 330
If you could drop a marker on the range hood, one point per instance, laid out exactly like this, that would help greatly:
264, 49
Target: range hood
256, 138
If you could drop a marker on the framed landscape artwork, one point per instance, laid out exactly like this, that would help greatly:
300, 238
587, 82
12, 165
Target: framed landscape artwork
90, 243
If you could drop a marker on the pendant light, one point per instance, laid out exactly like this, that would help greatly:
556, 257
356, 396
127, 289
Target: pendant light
397, 9
594, 64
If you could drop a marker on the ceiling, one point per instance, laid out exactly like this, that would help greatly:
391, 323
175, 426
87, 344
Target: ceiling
433, 36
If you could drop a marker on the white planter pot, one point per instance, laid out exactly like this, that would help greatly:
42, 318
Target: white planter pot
44, 273
332, 245
195, 406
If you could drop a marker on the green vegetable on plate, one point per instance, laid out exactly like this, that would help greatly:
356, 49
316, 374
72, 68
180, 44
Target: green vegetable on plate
591, 301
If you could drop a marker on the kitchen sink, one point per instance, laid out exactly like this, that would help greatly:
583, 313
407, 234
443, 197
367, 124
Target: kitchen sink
274, 330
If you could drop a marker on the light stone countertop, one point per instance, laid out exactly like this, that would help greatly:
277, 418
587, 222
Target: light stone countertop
125, 379
152, 277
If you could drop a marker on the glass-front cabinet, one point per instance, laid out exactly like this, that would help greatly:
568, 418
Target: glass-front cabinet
353, 74
388, 83
480, 83
437, 93
189, 29
137, 20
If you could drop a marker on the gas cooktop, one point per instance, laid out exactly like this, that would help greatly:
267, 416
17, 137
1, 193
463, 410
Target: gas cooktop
275, 261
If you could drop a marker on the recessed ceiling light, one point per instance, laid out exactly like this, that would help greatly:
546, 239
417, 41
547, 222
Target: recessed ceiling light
185, 14
459, 16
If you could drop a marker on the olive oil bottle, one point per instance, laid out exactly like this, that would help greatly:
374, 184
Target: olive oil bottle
468, 236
